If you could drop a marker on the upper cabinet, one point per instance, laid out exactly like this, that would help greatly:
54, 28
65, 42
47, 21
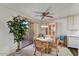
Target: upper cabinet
51, 29
73, 23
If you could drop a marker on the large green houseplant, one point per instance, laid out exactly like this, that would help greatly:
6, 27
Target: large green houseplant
18, 26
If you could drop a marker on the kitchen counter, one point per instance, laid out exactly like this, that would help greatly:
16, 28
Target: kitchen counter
73, 35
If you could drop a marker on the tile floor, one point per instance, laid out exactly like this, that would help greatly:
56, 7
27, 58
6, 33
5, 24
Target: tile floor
29, 50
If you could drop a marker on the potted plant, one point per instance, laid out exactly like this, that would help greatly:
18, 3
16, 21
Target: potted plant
18, 26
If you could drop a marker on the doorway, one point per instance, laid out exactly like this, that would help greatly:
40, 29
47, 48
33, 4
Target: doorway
28, 38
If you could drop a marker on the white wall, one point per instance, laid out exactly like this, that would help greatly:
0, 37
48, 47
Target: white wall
62, 26
7, 44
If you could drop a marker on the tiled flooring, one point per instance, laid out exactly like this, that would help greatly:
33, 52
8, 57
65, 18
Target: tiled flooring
78, 52
29, 50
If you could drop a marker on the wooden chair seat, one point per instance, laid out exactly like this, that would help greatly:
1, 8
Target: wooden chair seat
45, 47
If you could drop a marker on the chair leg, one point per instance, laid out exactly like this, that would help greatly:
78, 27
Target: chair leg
57, 51
35, 52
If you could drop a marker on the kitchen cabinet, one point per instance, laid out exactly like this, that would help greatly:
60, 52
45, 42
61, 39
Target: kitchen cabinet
51, 29
73, 41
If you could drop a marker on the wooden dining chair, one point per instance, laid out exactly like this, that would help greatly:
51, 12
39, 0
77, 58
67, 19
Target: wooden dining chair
54, 44
38, 46
45, 47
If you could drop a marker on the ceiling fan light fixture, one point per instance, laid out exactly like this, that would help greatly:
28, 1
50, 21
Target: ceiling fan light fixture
44, 26
46, 13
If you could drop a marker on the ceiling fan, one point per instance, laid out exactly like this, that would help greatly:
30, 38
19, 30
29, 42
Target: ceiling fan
45, 13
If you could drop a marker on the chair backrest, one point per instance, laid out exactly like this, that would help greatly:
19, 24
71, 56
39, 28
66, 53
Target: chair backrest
62, 37
47, 36
38, 44
55, 41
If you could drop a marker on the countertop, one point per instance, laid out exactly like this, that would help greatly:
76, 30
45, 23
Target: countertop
72, 36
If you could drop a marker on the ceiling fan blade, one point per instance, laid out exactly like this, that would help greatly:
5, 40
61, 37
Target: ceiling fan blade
38, 12
42, 18
51, 13
38, 15
50, 16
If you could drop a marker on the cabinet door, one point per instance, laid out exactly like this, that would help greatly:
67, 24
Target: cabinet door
73, 42
51, 29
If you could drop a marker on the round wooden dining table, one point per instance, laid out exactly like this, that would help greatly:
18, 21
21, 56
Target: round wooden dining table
47, 41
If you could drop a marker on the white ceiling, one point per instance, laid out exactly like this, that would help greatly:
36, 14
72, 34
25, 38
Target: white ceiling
59, 9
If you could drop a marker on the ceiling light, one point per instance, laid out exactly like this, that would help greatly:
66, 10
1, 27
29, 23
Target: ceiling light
43, 26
